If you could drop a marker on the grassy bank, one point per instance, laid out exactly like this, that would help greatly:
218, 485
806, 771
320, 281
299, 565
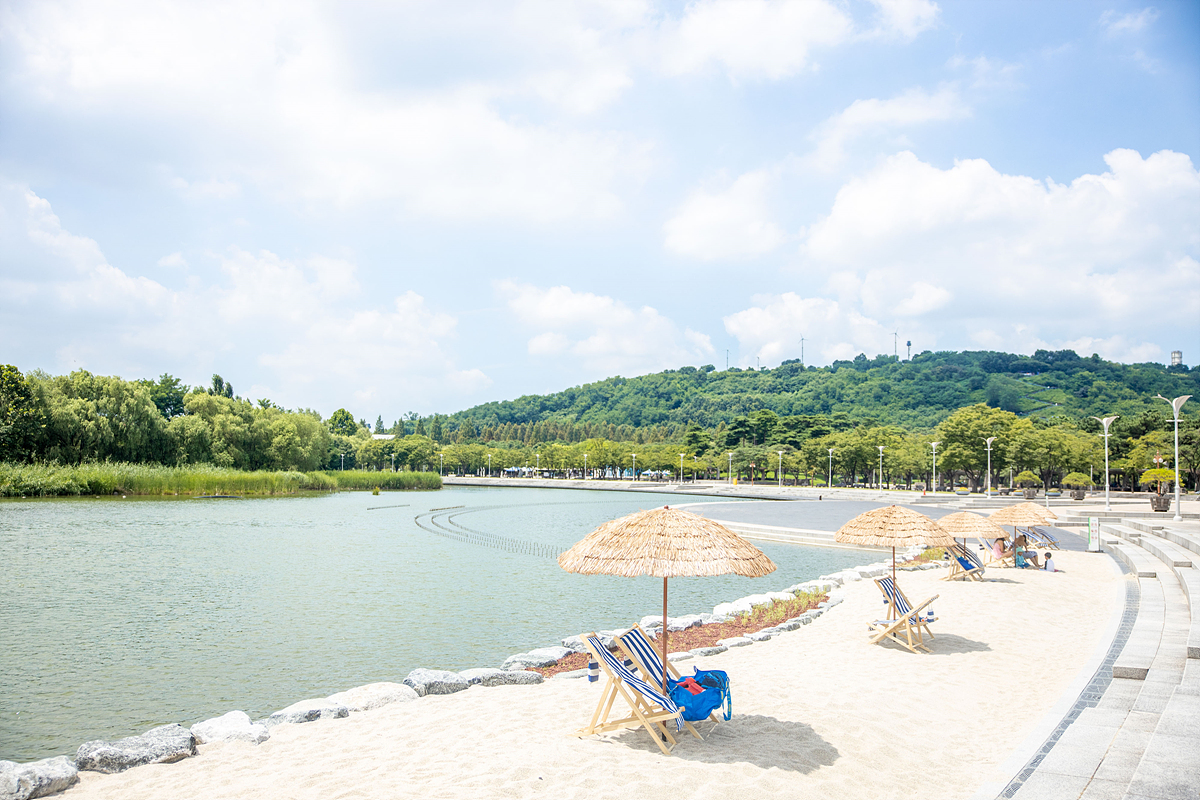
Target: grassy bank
48, 480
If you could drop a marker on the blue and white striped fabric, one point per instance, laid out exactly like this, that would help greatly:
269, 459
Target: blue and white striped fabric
965, 553
902, 606
640, 686
646, 653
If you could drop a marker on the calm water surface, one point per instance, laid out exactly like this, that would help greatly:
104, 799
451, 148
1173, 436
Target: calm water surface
119, 615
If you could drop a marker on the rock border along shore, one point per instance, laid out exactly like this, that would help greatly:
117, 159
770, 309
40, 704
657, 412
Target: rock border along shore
173, 742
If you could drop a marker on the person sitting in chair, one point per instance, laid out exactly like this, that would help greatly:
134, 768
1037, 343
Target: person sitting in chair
1026, 556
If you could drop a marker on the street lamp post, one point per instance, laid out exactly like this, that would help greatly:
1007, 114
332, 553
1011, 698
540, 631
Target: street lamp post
537, 462
489, 465
729, 475
585, 466
1106, 422
695, 464
634, 455
989, 441
879, 480
393, 462
1176, 404
681, 469
343, 462
441, 462
830, 484
780, 476
934, 446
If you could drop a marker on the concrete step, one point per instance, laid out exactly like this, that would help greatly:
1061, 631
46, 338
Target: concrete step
1189, 540
1127, 551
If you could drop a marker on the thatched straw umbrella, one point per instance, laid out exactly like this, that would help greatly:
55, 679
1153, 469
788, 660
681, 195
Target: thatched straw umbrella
666, 543
967, 524
1023, 515
893, 526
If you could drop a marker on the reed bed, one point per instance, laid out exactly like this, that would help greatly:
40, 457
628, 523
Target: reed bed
49, 480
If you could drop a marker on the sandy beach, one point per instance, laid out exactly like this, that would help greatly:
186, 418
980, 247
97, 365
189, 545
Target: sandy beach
818, 713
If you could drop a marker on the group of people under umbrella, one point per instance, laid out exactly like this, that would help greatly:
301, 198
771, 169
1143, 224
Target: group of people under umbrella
670, 543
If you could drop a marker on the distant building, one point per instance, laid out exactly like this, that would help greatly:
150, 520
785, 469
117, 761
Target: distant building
384, 436
1176, 358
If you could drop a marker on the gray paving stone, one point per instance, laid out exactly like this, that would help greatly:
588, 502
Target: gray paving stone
1067, 759
1097, 737
1119, 765
1167, 781
1181, 717
1141, 721
1105, 790
1050, 786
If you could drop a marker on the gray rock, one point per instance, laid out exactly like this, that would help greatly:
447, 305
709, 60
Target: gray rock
574, 644
760, 636
307, 711
790, 625
684, 622
575, 673
486, 676
684, 656
541, 657
435, 681
36, 778
373, 695
162, 745
651, 621
232, 727
735, 641
709, 651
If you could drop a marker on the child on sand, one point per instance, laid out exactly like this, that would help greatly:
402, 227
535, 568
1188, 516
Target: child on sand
1048, 563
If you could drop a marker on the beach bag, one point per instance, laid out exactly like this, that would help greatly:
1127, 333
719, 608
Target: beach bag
715, 694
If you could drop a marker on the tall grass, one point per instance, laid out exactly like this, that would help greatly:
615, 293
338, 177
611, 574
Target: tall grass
45, 480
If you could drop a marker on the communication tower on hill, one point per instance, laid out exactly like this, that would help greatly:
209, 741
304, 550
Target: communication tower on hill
909, 344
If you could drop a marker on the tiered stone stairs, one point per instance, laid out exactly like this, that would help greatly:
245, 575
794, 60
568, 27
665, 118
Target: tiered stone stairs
1141, 740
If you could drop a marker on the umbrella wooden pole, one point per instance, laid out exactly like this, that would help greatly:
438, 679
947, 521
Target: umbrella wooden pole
664, 641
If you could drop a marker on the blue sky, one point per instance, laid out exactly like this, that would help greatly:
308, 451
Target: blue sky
424, 206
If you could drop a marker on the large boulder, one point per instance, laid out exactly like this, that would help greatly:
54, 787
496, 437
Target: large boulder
541, 657
488, 676
435, 681
307, 711
161, 745
232, 727
373, 695
735, 641
36, 778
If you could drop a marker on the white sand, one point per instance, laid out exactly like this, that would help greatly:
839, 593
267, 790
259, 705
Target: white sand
818, 713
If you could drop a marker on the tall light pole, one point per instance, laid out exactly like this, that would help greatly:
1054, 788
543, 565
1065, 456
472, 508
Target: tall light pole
780, 476
634, 455
1176, 404
989, 441
343, 462
489, 465
537, 462
585, 466
879, 480
934, 446
729, 475
830, 484
441, 462
681, 469
393, 462
1106, 422
695, 463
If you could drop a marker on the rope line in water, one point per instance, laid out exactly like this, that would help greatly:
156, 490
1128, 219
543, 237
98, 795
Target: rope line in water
468, 536
376, 508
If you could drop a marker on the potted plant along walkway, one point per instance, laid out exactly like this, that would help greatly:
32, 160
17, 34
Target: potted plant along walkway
1028, 482
1160, 478
1077, 482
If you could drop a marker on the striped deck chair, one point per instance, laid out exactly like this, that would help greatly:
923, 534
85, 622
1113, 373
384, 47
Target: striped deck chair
648, 706
640, 649
992, 561
905, 625
963, 564
1042, 537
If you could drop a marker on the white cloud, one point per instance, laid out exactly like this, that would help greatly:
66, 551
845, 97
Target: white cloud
1115, 23
175, 260
907, 18
303, 329
1020, 263
603, 334
727, 224
862, 117
752, 39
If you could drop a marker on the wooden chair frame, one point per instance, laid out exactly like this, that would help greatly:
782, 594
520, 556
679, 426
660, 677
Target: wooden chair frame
907, 629
651, 716
958, 554
651, 671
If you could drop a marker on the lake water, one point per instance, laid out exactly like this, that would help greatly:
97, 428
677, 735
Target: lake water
119, 615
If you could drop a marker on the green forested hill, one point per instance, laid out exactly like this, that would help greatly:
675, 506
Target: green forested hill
912, 394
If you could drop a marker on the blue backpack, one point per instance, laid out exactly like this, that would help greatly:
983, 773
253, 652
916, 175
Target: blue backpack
697, 707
